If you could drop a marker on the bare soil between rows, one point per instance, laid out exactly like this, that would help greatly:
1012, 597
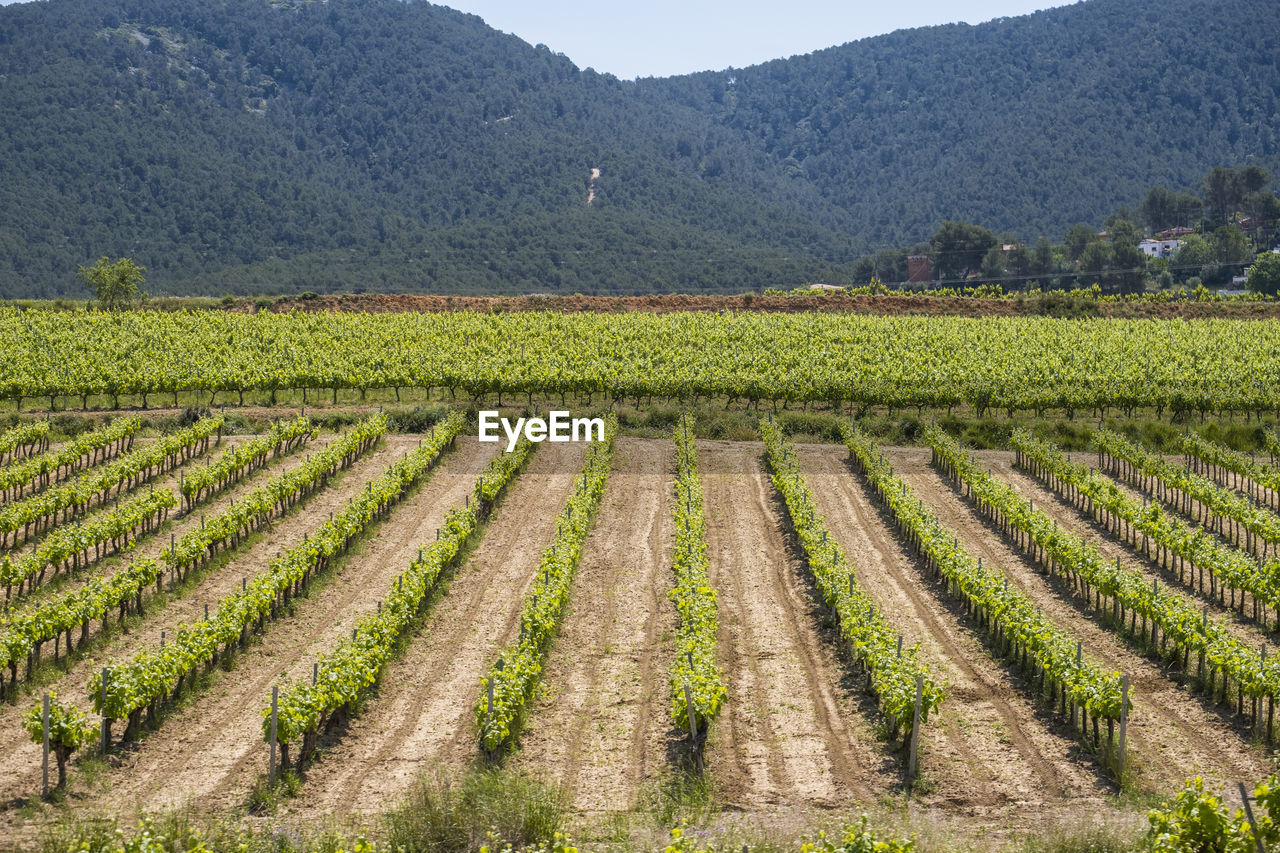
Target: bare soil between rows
421, 720
600, 726
990, 747
797, 734
1173, 734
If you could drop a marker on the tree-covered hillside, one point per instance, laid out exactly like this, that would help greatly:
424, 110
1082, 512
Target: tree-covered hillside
1023, 124
353, 144
246, 145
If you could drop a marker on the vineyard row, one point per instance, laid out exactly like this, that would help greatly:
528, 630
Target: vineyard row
1168, 618
23, 633
1015, 364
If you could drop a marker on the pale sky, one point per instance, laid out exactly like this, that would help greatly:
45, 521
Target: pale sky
659, 38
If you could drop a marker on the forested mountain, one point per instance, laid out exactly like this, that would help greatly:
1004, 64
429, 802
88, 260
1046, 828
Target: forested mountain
1023, 124
245, 145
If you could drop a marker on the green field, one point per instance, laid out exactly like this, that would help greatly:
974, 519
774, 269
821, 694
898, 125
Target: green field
1015, 364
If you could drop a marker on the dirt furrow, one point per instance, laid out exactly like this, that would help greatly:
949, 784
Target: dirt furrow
790, 731
990, 746
601, 729
1109, 545
219, 738
1191, 512
177, 524
1165, 747
422, 717
33, 489
70, 681
23, 758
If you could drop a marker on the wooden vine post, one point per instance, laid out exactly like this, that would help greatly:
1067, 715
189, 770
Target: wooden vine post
693, 728
1124, 724
271, 762
912, 763
44, 765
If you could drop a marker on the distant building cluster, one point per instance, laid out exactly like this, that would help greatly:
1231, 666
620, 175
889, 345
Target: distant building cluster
1165, 243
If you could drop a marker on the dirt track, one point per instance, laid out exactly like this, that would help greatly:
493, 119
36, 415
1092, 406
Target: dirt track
601, 728
990, 746
422, 716
791, 731
1172, 735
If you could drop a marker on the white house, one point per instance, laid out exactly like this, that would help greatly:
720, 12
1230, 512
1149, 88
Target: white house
1158, 248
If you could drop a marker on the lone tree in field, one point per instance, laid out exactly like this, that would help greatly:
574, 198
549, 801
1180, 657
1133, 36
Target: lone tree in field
117, 283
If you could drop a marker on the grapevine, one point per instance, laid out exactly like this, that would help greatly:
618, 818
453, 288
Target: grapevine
694, 665
1154, 532
143, 683
519, 665
1197, 820
23, 440
109, 531
1019, 625
1272, 442
1171, 615
1010, 363
1217, 508
22, 633
282, 438
68, 731
84, 451
1260, 481
892, 671
345, 674
237, 521
40, 513
69, 546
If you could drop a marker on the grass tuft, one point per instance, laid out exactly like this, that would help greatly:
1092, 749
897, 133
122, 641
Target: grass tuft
482, 807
